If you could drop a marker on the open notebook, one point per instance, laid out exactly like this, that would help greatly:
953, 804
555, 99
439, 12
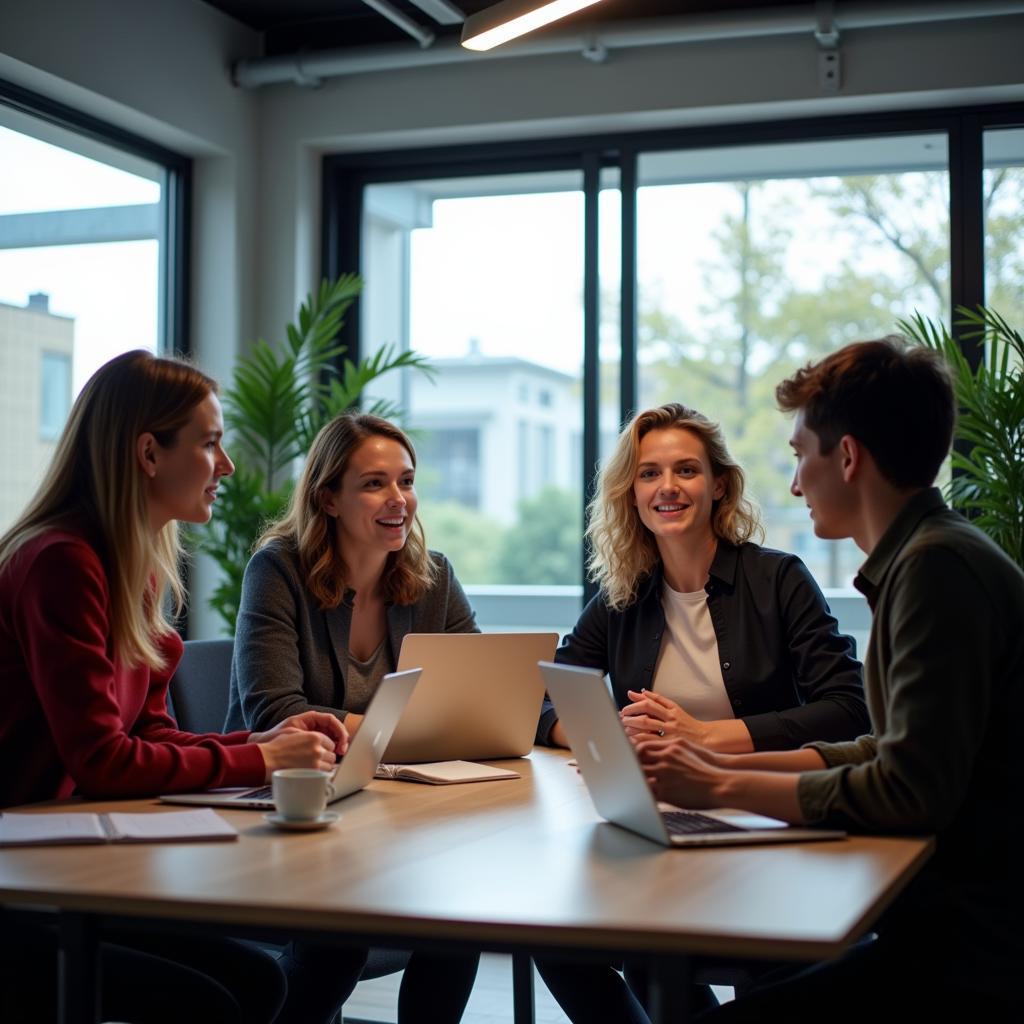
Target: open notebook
49, 828
444, 773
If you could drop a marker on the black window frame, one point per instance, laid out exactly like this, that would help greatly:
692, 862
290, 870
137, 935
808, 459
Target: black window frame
346, 176
175, 261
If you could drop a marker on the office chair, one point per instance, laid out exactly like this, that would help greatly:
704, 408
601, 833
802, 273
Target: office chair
197, 698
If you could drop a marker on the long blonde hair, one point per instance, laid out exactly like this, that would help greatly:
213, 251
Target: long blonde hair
623, 550
95, 486
306, 528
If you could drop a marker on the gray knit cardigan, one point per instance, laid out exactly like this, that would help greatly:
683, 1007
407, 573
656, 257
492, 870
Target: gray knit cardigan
290, 655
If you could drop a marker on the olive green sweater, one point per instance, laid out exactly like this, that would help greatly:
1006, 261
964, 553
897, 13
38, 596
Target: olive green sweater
944, 681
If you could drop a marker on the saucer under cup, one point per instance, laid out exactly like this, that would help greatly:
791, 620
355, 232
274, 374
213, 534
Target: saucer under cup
325, 820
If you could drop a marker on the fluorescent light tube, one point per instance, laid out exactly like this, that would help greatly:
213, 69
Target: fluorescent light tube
512, 18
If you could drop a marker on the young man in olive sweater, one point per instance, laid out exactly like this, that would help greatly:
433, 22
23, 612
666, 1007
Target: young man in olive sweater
944, 680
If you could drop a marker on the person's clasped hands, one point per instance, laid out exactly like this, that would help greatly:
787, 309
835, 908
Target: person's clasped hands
314, 739
652, 715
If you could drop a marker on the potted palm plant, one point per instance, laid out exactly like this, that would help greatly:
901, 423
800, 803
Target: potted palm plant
988, 462
279, 398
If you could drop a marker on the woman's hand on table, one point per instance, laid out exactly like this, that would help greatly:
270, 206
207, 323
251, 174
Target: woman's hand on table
298, 749
314, 739
654, 716
329, 727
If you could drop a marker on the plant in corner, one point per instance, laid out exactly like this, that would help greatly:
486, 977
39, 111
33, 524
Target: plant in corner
988, 464
279, 398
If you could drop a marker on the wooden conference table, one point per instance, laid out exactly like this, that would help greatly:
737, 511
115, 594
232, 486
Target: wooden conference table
509, 865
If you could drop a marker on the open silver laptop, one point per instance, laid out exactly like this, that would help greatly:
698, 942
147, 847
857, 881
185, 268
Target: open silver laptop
616, 781
480, 696
353, 771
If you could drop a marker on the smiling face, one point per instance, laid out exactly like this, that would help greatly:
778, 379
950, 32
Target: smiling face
374, 505
819, 480
182, 478
674, 489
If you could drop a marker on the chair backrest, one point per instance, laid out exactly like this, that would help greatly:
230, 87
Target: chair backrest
199, 689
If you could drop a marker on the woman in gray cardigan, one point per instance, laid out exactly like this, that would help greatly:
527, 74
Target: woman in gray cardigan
327, 598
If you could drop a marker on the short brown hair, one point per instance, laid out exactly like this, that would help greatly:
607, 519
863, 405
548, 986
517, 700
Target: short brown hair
308, 529
896, 399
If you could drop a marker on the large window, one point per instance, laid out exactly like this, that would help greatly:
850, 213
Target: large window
700, 266
88, 248
1003, 203
485, 277
753, 260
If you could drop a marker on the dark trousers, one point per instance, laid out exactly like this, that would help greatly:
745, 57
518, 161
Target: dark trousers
877, 981
591, 993
145, 977
166, 978
435, 987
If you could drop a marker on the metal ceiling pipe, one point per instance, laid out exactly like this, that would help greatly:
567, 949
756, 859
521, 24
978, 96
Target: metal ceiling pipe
422, 35
442, 11
312, 68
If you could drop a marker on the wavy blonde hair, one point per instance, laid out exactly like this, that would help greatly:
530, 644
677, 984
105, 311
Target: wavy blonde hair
308, 529
622, 549
95, 486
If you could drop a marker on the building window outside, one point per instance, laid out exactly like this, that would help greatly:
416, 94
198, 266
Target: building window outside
448, 466
503, 507
545, 456
55, 399
82, 230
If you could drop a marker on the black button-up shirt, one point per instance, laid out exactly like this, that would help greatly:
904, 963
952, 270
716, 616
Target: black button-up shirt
789, 673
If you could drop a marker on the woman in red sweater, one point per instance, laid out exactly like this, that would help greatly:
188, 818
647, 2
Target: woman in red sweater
86, 653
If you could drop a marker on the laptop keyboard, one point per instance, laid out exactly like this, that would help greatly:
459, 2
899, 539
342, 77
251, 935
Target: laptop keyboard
266, 793
687, 823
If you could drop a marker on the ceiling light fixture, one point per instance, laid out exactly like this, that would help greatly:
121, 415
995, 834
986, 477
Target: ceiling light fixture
512, 18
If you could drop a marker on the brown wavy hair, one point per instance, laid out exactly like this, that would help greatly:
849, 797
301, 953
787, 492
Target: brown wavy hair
306, 528
623, 550
94, 486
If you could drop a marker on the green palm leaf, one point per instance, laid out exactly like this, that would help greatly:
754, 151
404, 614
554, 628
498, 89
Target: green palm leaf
988, 477
279, 398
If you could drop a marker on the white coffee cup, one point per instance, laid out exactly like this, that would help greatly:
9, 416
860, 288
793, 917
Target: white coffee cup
300, 794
